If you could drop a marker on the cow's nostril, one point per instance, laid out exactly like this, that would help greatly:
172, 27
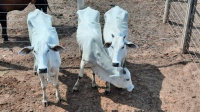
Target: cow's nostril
115, 64
43, 70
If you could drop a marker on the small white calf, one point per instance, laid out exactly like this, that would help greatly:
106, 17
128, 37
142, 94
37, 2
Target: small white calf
89, 39
115, 35
45, 47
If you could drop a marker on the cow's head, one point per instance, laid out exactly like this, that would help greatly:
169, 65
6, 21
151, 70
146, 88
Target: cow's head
41, 53
118, 50
123, 79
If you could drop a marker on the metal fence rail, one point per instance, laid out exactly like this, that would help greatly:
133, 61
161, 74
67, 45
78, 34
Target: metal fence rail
184, 19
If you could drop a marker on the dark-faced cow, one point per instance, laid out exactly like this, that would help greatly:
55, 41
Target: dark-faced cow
45, 47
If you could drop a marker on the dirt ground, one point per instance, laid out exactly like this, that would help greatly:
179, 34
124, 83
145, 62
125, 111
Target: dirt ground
165, 80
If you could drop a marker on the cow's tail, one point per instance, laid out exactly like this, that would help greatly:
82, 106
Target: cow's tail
47, 5
80, 4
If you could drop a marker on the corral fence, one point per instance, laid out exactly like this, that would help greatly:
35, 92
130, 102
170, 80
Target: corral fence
184, 19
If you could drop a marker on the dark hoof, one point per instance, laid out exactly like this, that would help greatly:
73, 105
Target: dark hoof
35, 73
95, 87
59, 101
74, 91
107, 92
5, 41
5, 38
45, 104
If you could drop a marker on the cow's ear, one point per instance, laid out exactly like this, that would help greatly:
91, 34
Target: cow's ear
131, 45
56, 47
26, 50
107, 44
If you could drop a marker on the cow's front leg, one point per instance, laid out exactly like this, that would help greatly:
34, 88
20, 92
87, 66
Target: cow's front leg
55, 83
107, 91
94, 85
43, 85
75, 88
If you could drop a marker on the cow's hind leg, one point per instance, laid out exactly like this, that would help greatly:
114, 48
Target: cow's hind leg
3, 22
94, 85
75, 88
43, 85
107, 91
55, 83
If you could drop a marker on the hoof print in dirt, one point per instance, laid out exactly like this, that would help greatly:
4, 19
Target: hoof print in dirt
107, 93
59, 100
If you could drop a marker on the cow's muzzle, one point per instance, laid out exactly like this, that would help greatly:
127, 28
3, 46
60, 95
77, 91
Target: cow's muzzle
115, 64
43, 70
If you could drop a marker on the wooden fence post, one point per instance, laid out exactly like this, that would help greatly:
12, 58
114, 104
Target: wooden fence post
166, 13
188, 26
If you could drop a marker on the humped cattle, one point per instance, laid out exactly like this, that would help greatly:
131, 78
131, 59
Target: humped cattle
115, 35
45, 46
89, 39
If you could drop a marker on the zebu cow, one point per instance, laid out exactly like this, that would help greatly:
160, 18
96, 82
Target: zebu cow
45, 47
115, 35
89, 39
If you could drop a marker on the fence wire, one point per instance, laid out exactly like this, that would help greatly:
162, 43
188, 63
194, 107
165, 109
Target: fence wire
177, 18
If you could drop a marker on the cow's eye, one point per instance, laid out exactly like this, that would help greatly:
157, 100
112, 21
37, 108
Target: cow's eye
35, 52
123, 47
47, 51
111, 46
127, 79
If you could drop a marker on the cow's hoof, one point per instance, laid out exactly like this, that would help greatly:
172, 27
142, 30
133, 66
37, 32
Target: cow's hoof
45, 104
74, 91
107, 92
5, 41
59, 100
94, 86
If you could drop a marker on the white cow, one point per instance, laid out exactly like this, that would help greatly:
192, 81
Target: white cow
89, 39
45, 47
115, 35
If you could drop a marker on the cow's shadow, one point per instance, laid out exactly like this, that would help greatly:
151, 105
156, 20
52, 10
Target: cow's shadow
146, 78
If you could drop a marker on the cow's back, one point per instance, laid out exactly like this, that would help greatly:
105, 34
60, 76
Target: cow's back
116, 23
88, 15
88, 32
39, 25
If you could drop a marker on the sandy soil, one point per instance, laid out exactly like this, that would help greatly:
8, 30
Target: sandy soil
165, 80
